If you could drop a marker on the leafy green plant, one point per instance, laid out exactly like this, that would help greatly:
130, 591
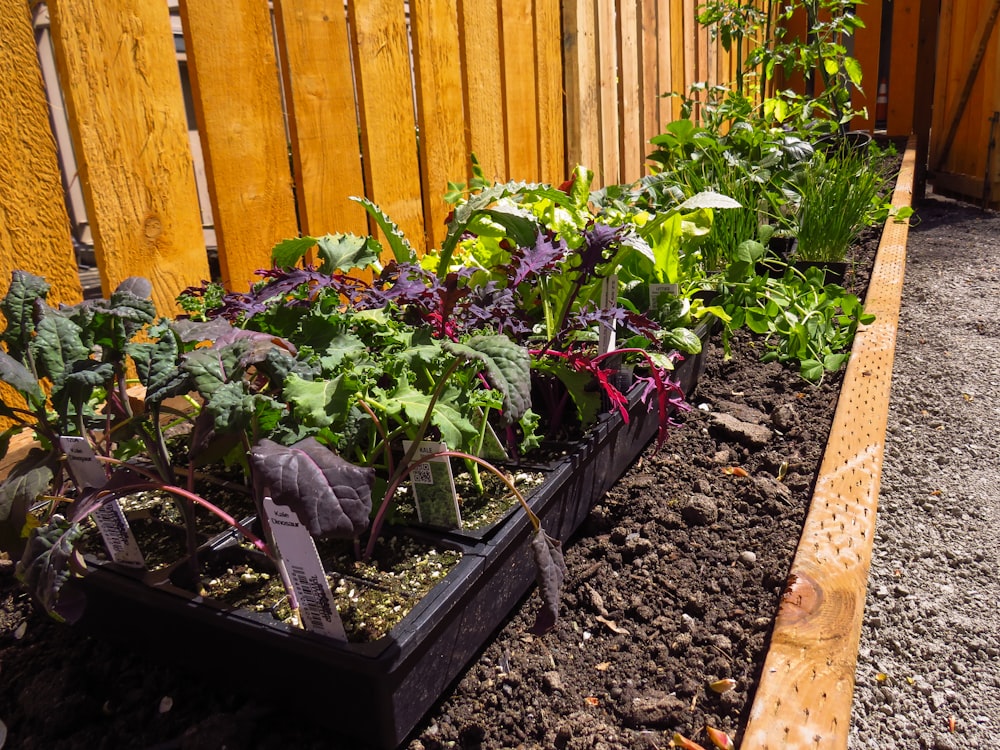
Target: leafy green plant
803, 320
749, 163
759, 34
840, 195
259, 400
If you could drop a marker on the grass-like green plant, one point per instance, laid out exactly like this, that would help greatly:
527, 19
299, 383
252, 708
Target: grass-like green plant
840, 196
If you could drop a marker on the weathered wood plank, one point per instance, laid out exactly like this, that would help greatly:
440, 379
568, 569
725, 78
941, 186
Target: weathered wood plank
649, 81
630, 83
34, 233
583, 145
678, 57
237, 101
551, 139
806, 689
665, 43
388, 122
322, 115
483, 78
608, 171
520, 95
440, 107
902, 71
866, 51
121, 85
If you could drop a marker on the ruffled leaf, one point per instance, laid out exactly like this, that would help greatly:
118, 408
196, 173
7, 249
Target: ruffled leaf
45, 568
18, 307
507, 366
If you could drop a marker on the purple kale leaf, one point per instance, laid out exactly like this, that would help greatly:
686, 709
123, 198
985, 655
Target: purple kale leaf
331, 496
540, 258
551, 571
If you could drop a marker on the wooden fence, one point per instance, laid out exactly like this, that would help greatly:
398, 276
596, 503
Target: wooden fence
300, 107
964, 155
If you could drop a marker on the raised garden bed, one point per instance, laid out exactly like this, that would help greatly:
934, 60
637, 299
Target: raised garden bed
628, 544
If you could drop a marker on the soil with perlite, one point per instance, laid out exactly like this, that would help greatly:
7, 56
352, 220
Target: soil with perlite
673, 584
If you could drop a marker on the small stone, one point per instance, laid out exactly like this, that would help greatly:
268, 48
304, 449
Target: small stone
657, 710
784, 418
700, 510
748, 558
746, 433
552, 682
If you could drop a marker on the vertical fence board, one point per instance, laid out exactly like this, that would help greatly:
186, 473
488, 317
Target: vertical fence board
323, 120
550, 63
664, 53
944, 74
905, 28
440, 105
520, 94
630, 82
388, 121
608, 171
689, 34
650, 80
481, 67
122, 90
866, 50
237, 99
34, 232
678, 59
704, 68
583, 145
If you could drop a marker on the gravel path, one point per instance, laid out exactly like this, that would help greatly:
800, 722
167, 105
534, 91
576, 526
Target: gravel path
929, 664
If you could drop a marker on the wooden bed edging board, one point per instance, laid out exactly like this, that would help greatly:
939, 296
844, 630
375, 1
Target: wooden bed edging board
806, 689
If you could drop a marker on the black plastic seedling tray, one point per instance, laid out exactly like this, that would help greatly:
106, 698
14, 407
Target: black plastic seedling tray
376, 693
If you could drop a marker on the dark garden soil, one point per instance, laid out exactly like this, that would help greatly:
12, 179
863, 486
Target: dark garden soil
673, 584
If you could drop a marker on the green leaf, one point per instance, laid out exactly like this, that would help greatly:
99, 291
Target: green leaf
20, 379
29, 479
287, 253
18, 307
58, 346
522, 229
853, 68
409, 406
210, 368
402, 251
44, 568
682, 339
130, 303
811, 369
833, 362
231, 406
750, 251
708, 199
160, 372
508, 369
758, 321
346, 252
319, 403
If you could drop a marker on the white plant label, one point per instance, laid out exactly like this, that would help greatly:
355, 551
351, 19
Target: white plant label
110, 519
607, 336
434, 487
298, 554
655, 290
